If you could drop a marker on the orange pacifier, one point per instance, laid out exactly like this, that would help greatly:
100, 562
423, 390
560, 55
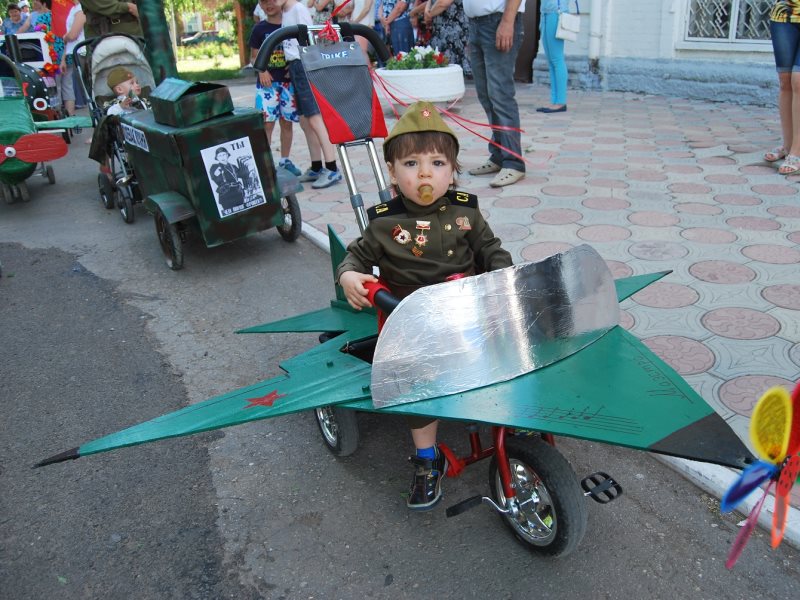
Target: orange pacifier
426, 193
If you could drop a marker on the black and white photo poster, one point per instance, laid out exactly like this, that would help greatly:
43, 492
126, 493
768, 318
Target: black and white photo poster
233, 176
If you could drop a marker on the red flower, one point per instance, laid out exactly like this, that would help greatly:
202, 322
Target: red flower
439, 58
399, 56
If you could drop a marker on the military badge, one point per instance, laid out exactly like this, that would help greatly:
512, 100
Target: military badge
421, 239
422, 225
463, 224
416, 251
400, 235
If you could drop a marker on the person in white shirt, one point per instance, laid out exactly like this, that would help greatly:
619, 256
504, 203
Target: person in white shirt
319, 143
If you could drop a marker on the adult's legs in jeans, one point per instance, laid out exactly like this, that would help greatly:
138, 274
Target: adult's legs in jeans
554, 49
494, 83
786, 47
402, 35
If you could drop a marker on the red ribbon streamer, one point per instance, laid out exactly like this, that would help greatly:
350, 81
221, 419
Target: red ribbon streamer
457, 119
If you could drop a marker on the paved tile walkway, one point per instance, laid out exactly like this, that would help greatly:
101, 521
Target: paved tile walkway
653, 183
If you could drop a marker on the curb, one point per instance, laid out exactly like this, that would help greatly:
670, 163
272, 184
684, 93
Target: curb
716, 480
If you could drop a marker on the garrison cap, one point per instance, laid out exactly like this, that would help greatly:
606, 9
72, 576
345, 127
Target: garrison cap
117, 76
420, 116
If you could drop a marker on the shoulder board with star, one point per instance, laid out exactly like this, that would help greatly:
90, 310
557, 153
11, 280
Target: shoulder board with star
387, 209
462, 198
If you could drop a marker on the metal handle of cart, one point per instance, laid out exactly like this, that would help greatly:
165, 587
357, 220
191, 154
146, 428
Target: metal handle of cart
308, 36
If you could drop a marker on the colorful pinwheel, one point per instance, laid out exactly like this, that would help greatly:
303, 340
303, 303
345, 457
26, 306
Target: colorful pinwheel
775, 434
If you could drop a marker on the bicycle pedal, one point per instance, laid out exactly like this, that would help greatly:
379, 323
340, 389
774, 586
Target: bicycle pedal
601, 487
464, 506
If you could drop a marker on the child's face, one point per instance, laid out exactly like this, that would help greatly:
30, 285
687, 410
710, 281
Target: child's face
271, 7
413, 172
126, 87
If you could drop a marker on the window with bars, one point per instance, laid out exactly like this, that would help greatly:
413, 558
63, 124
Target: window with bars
728, 20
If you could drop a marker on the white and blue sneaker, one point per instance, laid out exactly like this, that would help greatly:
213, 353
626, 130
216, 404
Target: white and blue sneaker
289, 166
310, 175
326, 178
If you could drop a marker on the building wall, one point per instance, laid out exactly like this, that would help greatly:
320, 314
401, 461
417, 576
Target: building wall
642, 49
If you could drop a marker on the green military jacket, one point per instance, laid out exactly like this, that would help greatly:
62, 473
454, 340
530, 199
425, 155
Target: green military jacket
417, 245
107, 16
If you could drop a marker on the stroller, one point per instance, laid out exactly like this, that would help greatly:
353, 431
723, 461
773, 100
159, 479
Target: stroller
119, 188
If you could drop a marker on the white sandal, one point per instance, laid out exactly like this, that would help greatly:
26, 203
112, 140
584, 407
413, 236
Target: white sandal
506, 177
486, 168
775, 154
790, 165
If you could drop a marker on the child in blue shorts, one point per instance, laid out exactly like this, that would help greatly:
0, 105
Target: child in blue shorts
319, 144
274, 91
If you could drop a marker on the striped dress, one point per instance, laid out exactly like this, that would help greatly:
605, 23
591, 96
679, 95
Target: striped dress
785, 11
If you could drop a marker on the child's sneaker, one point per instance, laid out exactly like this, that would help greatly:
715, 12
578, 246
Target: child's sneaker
310, 175
426, 487
326, 178
289, 166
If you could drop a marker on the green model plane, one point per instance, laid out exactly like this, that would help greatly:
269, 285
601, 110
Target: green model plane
612, 390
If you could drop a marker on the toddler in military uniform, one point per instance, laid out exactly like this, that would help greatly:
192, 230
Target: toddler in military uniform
428, 234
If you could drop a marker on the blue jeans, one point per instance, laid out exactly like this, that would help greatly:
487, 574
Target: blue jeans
402, 35
554, 48
493, 72
786, 46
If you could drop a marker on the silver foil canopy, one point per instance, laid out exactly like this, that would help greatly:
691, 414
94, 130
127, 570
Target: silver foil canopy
472, 332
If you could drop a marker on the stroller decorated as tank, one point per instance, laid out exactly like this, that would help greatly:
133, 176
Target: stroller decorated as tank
199, 166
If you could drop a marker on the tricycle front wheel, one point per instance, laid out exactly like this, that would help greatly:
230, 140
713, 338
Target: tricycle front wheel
339, 429
292, 221
550, 516
170, 241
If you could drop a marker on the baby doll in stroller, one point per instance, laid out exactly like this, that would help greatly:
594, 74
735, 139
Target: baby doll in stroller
120, 82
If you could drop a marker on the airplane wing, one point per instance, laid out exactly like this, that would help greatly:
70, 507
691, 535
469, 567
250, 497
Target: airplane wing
613, 391
66, 123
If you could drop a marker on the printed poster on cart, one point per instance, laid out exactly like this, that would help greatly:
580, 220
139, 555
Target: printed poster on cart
233, 176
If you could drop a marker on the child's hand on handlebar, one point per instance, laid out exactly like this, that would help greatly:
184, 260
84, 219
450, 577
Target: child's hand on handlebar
352, 283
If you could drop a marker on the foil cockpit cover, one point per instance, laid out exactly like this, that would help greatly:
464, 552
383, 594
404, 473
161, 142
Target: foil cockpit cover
476, 331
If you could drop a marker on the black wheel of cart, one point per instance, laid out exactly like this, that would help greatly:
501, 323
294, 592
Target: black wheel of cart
292, 221
339, 429
51, 176
8, 195
24, 193
106, 191
550, 516
170, 241
125, 204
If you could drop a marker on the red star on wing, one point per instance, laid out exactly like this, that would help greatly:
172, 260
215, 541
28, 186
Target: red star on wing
267, 400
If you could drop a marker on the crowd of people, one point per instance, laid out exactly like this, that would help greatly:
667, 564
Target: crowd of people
37, 16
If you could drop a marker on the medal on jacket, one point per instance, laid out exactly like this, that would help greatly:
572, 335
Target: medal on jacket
463, 224
400, 235
420, 239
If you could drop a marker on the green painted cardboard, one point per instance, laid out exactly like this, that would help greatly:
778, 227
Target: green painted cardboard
168, 159
182, 103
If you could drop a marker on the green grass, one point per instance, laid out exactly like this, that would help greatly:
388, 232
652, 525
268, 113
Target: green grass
209, 69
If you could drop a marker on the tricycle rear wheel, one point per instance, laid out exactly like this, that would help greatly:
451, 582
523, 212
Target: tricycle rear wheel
551, 517
292, 221
170, 241
339, 429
